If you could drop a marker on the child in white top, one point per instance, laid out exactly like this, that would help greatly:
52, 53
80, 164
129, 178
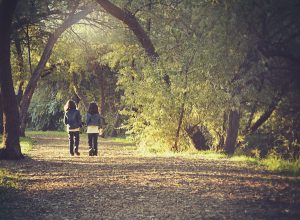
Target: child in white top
93, 122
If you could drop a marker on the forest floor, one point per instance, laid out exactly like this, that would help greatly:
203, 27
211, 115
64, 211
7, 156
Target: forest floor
122, 184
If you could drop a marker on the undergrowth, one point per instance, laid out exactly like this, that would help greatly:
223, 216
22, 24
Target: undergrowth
277, 164
271, 163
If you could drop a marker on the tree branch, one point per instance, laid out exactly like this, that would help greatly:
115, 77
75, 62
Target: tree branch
130, 20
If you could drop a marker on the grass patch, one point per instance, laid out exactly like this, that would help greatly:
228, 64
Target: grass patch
25, 142
272, 163
121, 140
277, 164
8, 180
191, 153
249, 160
47, 133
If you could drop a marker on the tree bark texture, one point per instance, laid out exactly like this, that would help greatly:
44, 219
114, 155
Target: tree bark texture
26, 99
232, 131
1, 115
11, 142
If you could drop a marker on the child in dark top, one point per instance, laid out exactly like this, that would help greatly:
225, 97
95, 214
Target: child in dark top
72, 119
93, 123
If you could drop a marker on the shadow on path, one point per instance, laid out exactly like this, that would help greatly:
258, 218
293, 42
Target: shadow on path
123, 185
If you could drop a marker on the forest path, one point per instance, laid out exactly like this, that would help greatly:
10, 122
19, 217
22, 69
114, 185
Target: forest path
120, 184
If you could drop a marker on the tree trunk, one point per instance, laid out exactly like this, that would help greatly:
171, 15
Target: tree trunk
1, 115
271, 108
148, 25
29, 49
175, 146
11, 143
20, 60
232, 131
26, 99
101, 71
114, 132
263, 118
223, 132
79, 93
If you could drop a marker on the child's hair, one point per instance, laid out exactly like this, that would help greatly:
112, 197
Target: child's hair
93, 108
70, 105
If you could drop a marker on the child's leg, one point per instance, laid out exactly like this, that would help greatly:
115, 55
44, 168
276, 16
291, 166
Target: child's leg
71, 142
90, 141
95, 144
76, 136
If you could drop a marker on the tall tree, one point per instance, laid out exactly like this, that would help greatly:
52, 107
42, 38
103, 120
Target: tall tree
232, 132
11, 143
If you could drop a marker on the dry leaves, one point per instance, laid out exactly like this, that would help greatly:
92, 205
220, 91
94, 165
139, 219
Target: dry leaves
120, 184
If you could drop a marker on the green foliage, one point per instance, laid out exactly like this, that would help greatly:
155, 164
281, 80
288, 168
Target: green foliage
46, 109
279, 134
191, 60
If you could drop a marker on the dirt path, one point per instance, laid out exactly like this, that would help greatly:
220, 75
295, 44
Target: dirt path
122, 185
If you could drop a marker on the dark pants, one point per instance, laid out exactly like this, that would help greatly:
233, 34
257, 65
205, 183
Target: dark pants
73, 138
93, 144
